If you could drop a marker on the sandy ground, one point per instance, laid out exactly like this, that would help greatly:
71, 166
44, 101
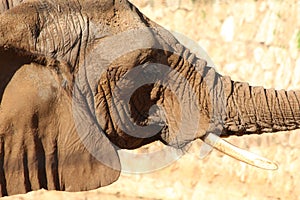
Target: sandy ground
253, 41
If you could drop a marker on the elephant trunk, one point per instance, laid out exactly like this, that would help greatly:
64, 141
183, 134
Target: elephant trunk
255, 110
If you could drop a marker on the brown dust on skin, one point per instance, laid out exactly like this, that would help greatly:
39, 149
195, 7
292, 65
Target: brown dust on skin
32, 114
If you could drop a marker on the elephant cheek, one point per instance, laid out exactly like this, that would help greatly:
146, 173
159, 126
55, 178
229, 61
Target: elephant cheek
109, 123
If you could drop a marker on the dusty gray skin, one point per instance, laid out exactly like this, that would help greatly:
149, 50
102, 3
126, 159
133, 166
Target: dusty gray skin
49, 94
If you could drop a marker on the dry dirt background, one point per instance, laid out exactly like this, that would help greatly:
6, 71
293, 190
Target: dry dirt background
254, 41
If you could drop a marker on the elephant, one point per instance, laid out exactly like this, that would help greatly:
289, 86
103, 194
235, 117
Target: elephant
83, 78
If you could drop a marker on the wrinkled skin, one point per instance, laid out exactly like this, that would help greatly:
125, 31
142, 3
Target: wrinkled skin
7, 4
50, 93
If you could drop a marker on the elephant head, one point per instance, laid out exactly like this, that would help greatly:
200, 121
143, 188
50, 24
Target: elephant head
81, 79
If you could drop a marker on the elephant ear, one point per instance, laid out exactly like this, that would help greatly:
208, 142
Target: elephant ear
40, 141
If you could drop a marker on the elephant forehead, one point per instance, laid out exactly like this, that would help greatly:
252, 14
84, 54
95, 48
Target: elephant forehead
123, 51
114, 46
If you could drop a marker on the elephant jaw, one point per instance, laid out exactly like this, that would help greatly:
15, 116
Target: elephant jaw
237, 153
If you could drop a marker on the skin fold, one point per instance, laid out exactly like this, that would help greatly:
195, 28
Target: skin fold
62, 91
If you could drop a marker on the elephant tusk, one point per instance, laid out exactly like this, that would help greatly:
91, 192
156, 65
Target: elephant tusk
237, 153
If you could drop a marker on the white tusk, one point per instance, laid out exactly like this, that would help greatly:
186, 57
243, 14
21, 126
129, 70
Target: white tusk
237, 153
